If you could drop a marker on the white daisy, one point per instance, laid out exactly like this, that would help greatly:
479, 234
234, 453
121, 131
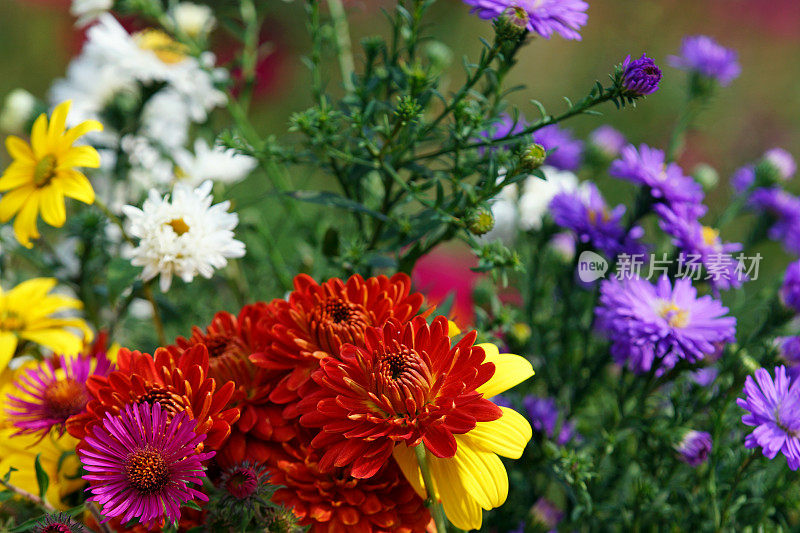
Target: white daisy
537, 193
194, 20
183, 236
216, 163
18, 110
88, 10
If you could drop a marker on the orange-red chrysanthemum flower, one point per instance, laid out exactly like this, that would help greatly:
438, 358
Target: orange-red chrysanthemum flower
177, 382
230, 341
337, 503
318, 319
407, 384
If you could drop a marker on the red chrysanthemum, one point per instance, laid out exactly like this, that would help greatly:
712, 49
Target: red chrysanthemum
335, 502
407, 384
230, 341
318, 319
178, 382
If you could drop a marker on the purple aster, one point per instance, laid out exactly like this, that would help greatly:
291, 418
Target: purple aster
789, 348
700, 245
501, 128
695, 447
743, 178
667, 183
142, 466
782, 161
785, 209
546, 513
703, 55
647, 322
705, 376
544, 415
586, 213
774, 409
567, 150
608, 141
639, 77
790, 291
45, 398
544, 17
58, 523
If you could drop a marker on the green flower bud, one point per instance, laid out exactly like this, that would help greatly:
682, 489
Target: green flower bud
480, 221
706, 176
533, 156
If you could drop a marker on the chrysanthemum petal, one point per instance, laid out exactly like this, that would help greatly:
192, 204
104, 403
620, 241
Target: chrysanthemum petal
58, 122
73, 134
19, 149
77, 186
12, 202
510, 370
8, 344
25, 223
52, 206
79, 156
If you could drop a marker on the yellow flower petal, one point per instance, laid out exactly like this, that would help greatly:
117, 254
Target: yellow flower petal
25, 223
17, 174
79, 156
52, 206
19, 149
481, 473
461, 508
510, 370
58, 340
407, 461
506, 436
58, 123
80, 130
39, 137
8, 344
12, 202
75, 185
28, 291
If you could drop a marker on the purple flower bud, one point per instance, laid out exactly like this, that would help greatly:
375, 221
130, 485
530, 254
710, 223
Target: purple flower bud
782, 161
702, 54
790, 291
640, 77
608, 140
695, 447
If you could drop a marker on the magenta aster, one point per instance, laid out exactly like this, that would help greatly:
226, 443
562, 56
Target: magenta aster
141, 466
48, 395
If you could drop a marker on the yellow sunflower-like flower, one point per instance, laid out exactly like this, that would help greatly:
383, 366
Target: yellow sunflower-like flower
26, 313
475, 478
44, 172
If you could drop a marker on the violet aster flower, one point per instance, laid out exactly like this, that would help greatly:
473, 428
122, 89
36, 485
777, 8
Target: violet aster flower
790, 291
639, 77
567, 150
45, 398
789, 348
743, 178
544, 17
607, 140
694, 448
703, 55
587, 215
785, 209
660, 323
504, 126
667, 183
546, 513
700, 245
774, 409
142, 466
705, 376
544, 415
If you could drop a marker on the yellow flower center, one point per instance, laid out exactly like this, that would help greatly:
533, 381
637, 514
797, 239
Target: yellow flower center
9, 321
518, 15
674, 315
595, 216
45, 170
179, 226
167, 49
710, 236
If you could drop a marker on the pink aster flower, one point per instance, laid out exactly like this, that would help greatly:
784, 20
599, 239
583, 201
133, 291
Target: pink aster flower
48, 395
141, 466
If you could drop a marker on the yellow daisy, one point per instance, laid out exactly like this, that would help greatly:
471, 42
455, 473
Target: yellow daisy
44, 172
26, 313
475, 478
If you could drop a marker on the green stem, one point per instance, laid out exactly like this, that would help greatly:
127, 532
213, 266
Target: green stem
343, 44
250, 50
148, 293
729, 497
433, 505
41, 502
95, 510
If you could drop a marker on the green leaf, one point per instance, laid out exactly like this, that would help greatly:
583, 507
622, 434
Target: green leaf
192, 505
41, 476
7, 476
